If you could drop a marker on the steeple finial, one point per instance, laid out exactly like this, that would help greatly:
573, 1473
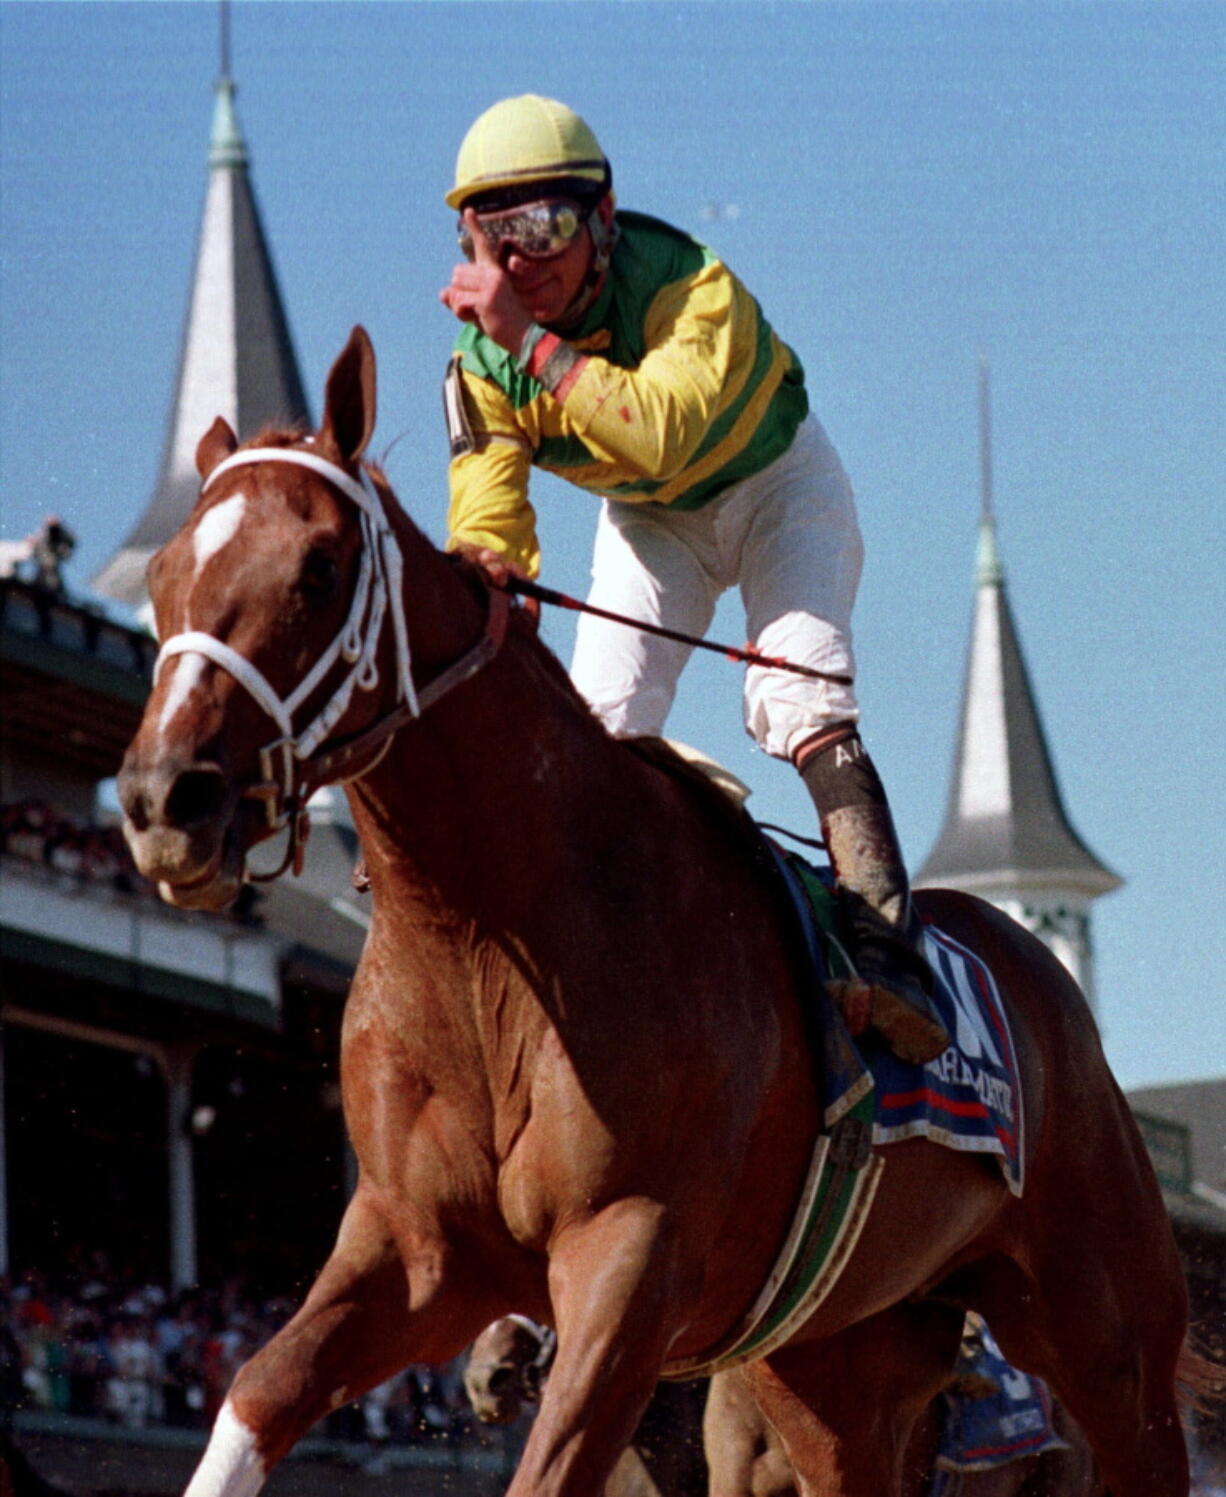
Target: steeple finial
985, 440
224, 19
226, 146
988, 569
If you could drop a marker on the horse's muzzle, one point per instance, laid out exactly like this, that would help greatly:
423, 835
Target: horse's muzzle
179, 825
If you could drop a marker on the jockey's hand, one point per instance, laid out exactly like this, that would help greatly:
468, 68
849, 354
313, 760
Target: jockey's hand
483, 292
496, 567
499, 570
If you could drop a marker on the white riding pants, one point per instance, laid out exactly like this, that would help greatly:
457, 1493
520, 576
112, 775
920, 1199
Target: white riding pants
788, 538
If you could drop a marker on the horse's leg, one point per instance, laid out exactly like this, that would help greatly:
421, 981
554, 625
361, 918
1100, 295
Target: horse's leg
923, 1447
615, 1283
744, 1454
355, 1330
845, 1407
1115, 1376
1102, 1320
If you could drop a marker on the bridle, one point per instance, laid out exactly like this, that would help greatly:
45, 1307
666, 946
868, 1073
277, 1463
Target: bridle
294, 765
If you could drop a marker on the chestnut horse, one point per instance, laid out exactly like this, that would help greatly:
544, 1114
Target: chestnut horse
509, 1360
574, 1064
746, 1457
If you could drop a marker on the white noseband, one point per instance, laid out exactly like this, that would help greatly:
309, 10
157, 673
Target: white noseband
379, 589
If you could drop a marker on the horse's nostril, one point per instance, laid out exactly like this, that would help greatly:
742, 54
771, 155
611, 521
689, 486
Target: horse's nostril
197, 795
131, 793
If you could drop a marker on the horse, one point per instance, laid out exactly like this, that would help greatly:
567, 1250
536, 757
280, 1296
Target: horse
506, 1368
746, 1457
574, 1062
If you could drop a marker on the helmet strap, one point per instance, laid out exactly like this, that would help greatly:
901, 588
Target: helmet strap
604, 240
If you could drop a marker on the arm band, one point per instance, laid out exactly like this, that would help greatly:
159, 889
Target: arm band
550, 360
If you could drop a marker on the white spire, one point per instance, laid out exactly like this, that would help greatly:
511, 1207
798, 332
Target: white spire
237, 358
1006, 834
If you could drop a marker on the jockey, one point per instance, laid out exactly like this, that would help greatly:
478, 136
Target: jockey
616, 351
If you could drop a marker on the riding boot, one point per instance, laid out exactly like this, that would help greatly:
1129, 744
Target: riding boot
895, 982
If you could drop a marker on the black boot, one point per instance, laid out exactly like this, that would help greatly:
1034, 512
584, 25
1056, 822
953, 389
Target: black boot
895, 980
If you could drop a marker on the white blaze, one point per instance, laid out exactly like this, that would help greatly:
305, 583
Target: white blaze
188, 671
216, 528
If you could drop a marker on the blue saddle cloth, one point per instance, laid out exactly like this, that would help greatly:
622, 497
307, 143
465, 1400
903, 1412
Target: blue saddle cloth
980, 1434
970, 1097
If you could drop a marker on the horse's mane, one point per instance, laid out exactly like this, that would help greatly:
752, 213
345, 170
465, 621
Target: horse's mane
658, 753
277, 436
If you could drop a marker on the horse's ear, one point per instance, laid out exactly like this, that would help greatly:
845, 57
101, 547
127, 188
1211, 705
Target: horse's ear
349, 398
215, 445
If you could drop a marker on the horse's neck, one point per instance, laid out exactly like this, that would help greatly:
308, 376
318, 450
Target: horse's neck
473, 799
487, 780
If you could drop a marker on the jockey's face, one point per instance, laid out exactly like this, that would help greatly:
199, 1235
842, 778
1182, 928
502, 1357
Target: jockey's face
548, 287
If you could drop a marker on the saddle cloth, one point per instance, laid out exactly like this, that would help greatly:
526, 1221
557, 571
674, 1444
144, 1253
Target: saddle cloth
980, 1434
970, 1097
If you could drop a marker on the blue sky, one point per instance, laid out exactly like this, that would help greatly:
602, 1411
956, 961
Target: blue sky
905, 187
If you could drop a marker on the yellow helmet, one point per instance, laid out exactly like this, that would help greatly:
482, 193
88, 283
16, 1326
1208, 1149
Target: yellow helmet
522, 141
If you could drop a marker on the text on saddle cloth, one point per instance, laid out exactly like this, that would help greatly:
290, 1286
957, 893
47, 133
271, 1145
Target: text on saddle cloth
969, 1098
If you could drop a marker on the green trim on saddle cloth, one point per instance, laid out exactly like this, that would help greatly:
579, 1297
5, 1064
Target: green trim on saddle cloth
834, 1205
825, 909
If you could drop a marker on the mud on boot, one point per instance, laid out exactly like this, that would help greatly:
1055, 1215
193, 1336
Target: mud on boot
892, 989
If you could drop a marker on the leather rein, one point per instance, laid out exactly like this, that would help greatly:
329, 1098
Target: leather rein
296, 764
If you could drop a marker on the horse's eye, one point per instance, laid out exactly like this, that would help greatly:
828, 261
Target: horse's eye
320, 577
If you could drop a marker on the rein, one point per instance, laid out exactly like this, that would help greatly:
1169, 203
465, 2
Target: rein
294, 765
746, 653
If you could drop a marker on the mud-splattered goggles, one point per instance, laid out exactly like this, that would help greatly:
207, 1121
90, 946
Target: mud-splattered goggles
539, 231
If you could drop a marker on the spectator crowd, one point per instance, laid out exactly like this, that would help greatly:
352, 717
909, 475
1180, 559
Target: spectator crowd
32, 831
85, 852
139, 1356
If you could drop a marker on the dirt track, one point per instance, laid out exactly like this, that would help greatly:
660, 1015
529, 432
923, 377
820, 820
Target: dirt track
122, 1468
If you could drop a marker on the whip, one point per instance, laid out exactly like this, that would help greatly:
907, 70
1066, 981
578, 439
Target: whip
746, 653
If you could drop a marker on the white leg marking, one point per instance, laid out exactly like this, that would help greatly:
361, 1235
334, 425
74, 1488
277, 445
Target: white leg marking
217, 527
188, 671
231, 1465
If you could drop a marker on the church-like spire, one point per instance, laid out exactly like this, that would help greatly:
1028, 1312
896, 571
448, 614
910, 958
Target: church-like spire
1006, 834
237, 359
988, 569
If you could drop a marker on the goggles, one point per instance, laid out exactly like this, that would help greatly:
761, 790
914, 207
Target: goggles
538, 231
